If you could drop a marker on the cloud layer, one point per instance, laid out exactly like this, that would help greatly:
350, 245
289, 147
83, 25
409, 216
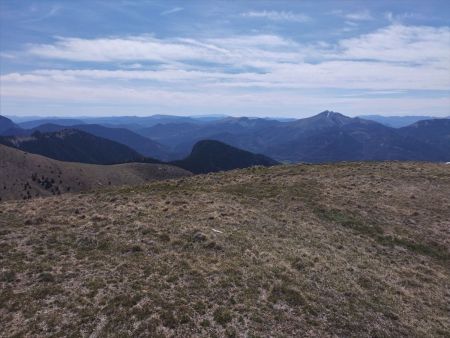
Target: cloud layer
258, 70
277, 16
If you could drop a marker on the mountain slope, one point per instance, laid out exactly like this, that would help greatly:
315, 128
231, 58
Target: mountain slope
57, 121
124, 136
25, 175
210, 156
395, 121
139, 122
343, 250
331, 137
6, 124
326, 137
435, 133
181, 137
8, 127
74, 146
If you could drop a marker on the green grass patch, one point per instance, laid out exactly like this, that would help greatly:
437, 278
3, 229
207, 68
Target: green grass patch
287, 294
348, 220
433, 250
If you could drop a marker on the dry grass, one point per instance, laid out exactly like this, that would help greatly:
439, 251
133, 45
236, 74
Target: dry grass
309, 250
25, 175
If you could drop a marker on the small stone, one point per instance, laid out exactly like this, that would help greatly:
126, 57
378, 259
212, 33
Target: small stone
199, 237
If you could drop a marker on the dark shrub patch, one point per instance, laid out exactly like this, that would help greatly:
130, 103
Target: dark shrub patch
222, 316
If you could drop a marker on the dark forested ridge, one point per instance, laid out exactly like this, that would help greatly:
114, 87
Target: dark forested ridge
210, 156
74, 146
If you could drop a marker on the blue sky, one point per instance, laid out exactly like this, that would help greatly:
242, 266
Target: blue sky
253, 58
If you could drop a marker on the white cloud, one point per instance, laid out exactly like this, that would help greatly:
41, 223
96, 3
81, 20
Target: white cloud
226, 50
398, 43
117, 49
242, 70
399, 18
394, 43
293, 103
351, 23
277, 16
341, 74
172, 11
363, 15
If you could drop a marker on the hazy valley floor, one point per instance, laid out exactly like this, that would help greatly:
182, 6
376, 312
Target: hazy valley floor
354, 249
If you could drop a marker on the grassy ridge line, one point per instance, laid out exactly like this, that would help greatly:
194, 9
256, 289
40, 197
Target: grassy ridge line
293, 255
25, 175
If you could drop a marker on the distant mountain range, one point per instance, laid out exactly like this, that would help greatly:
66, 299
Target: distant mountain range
74, 145
239, 132
211, 156
142, 145
434, 133
139, 122
138, 143
326, 137
123, 121
331, 137
61, 122
396, 121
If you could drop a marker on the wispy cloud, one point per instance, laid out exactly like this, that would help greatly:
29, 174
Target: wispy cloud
172, 11
394, 43
52, 11
413, 45
147, 48
277, 16
402, 17
247, 68
362, 15
114, 99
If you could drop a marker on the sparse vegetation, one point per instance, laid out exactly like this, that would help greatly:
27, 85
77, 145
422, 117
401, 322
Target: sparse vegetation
294, 250
25, 176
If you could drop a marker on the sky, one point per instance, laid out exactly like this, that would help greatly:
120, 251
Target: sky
239, 58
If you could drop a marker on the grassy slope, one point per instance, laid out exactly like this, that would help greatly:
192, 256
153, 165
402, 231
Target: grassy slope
309, 250
25, 175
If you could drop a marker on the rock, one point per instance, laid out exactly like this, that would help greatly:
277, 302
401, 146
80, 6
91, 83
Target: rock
199, 237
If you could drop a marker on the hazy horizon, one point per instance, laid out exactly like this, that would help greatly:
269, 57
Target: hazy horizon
24, 118
275, 59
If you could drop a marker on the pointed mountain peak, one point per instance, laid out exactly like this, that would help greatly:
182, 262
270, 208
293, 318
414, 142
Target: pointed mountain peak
331, 118
331, 114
